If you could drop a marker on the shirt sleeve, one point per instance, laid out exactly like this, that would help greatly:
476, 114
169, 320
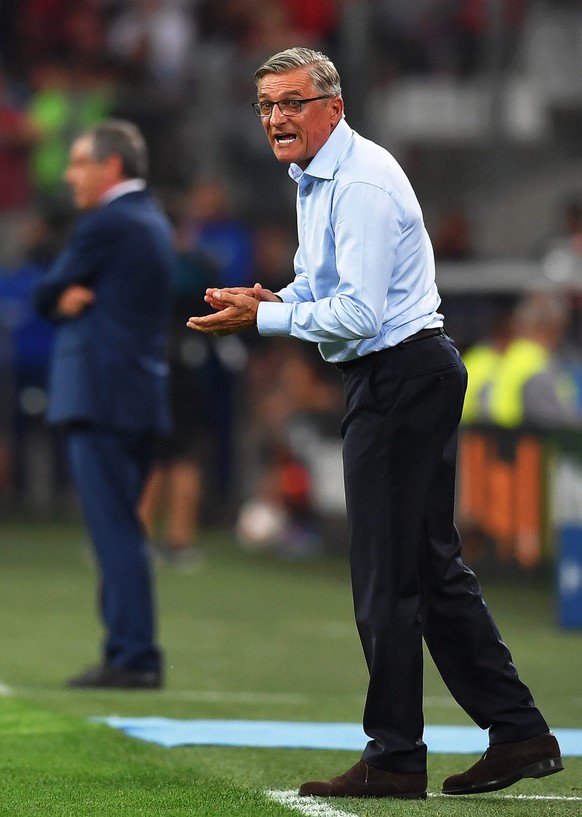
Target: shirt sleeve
365, 230
300, 288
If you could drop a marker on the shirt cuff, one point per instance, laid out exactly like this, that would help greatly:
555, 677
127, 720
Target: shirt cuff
274, 318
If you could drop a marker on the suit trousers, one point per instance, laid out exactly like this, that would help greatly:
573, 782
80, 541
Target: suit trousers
109, 470
403, 407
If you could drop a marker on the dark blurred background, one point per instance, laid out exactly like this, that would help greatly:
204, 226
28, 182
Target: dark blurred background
480, 101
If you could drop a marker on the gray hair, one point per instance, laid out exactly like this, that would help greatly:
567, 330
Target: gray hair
323, 73
116, 137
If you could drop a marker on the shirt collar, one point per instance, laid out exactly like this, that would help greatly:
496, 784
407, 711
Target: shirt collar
127, 186
324, 163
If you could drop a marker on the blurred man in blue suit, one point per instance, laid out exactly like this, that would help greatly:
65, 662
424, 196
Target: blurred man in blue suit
109, 294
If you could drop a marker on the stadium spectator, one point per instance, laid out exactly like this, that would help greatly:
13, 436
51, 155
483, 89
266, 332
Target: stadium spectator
274, 250
8, 45
482, 29
184, 474
316, 23
291, 401
531, 385
109, 294
365, 291
62, 103
17, 136
35, 456
482, 361
399, 37
39, 27
85, 32
212, 228
248, 31
453, 240
562, 257
154, 42
6, 412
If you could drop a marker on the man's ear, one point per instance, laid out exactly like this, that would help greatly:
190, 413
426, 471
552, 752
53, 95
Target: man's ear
115, 168
337, 110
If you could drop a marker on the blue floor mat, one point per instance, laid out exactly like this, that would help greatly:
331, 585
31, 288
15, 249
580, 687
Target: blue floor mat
298, 735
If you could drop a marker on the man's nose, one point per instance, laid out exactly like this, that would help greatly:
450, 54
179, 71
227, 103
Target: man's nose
276, 115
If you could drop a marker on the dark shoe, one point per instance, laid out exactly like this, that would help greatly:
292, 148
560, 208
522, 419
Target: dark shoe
367, 781
106, 677
505, 763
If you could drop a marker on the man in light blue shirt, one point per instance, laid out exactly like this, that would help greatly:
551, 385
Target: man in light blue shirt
364, 290
354, 190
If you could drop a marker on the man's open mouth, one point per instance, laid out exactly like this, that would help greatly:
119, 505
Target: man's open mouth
285, 138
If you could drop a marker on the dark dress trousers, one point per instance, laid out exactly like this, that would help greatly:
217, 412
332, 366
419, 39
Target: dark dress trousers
409, 582
108, 389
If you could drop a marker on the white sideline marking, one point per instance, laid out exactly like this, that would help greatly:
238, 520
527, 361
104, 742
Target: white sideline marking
236, 697
204, 696
512, 796
307, 805
218, 697
316, 808
538, 797
4, 690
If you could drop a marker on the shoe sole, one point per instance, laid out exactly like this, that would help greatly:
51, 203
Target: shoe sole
541, 769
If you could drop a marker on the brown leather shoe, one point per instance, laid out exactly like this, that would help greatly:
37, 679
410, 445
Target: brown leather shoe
367, 781
505, 763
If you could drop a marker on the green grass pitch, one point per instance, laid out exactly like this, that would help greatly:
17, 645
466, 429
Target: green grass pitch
241, 642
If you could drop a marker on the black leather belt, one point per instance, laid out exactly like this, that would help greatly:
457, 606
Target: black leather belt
422, 333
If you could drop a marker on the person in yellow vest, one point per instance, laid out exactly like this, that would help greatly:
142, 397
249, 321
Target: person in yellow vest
530, 385
482, 361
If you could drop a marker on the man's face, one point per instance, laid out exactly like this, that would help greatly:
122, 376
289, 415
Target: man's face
298, 138
88, 178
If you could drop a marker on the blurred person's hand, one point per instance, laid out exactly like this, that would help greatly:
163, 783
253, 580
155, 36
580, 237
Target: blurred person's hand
74, 300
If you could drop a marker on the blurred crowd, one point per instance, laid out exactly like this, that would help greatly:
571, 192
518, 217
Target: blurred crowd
525, 372
182, 70
256, 422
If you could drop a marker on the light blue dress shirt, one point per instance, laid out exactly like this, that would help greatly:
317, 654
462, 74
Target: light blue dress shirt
364, 268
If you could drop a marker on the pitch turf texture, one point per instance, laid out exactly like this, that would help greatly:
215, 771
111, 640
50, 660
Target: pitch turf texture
241, 642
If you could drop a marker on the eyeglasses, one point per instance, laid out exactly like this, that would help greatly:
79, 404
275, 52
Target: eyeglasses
288, 107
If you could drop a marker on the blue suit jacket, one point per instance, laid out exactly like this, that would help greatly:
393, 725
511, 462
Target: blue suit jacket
108, 365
